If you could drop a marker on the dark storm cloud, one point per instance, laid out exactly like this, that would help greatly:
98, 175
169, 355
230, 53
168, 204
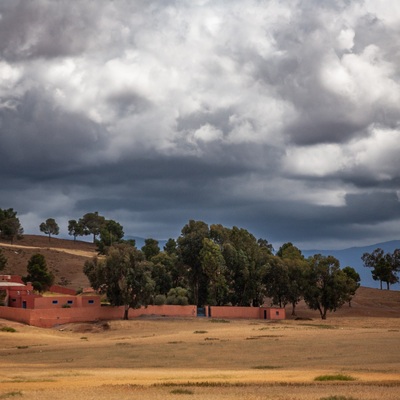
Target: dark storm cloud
40, 140
278, 117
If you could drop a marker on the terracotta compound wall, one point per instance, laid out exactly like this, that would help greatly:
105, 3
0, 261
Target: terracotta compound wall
16, 314
234, 312
47, 318
62, 290
246, 312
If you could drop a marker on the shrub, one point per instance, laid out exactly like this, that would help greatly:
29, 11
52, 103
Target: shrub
160, 300
177, 296
337, 377
7, 329
181, 391
337, 398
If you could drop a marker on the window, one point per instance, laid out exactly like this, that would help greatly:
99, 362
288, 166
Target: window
276, 312
69, 302
90, 301
55, 301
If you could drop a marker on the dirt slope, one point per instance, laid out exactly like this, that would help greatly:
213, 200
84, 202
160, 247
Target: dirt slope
65, 258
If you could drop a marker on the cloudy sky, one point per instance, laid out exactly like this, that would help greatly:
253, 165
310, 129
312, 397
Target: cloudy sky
281, 117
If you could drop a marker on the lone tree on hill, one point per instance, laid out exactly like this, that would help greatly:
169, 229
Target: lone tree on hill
122, 276
38, 273
49, 227
384, 266
75, 229
92, 224
327, 286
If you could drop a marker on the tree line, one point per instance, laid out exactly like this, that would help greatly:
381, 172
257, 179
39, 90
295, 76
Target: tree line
214, 265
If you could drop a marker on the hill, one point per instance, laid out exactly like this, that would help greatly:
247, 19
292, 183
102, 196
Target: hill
65, 258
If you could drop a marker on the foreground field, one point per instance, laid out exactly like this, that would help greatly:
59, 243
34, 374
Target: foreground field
202, 359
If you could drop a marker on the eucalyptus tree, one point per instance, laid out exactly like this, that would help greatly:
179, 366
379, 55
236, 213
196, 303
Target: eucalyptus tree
122, 276
296, 266
327, 287
189, 245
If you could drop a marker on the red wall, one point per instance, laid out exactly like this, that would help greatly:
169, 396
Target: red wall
62, 290
235, 312
55, 315
49, 317
247, 312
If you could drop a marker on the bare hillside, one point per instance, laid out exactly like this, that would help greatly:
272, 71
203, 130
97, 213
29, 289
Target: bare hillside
65, 258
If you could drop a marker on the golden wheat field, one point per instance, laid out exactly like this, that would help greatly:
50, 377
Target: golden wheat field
160, 358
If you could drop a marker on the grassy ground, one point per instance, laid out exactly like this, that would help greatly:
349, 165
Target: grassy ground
202, 359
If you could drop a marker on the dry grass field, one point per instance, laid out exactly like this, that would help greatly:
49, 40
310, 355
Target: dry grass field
358, 348
160, 358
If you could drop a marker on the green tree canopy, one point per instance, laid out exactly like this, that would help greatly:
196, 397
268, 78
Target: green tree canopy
384, 266
10, 227
92, 224
75, 229
150, 248
190, 243
327, 286
213, 265
111, 232
38, 273
122, 276
170, 246
354, 280
296, 266
49, 227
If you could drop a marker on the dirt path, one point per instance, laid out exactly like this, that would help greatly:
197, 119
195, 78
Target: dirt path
81, 253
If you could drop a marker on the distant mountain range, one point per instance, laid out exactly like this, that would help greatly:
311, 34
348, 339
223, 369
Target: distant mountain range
352, 257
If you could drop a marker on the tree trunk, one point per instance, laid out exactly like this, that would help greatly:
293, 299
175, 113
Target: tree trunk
388, 285
294, 309
380, 282
126, 311
322, 313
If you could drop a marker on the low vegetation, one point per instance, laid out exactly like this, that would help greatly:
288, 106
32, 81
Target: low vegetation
337, 377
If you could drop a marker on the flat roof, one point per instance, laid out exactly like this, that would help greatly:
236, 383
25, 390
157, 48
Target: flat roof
14, 284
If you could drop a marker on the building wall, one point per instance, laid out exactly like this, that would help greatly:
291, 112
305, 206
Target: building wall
62, 290
16, 314
66, 301
49, 317
234, 312
246, 312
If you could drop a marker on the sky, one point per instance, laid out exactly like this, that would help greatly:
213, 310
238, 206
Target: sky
280, 117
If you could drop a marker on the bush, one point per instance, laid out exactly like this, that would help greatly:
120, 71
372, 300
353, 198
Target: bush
177, 296
338, 377
160, 300
338, 398
7, 329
